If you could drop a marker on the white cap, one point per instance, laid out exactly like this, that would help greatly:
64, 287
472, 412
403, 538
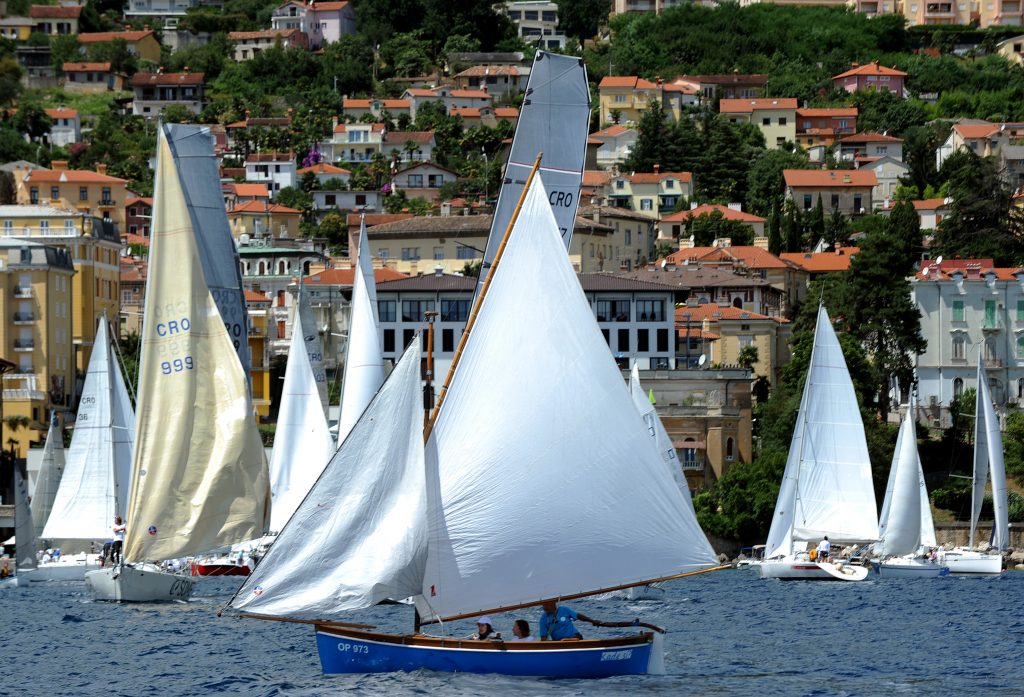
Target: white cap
484, 619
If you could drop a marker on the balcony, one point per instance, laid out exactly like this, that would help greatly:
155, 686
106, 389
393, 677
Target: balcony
693, 465
23, 292
24, 344
24, 318
22, 386
939, 9
993, 362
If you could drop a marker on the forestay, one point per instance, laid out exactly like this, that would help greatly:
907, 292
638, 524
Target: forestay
51, 469
364, 362
302, 441
545, 483
97, 473
899, 525
656, 430
199, 174
988, 459
554, 120
359, 537
826, 488
200, 477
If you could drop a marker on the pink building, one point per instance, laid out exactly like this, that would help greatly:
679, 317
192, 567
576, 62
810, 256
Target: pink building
873, 77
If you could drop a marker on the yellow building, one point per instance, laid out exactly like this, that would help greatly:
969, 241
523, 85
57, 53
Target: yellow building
141, 44
35, 335
650, 193
258, 307
93, 193
776, 118
94, 247
627, 96
259, 219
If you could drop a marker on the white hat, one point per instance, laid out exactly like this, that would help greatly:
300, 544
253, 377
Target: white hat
484, 619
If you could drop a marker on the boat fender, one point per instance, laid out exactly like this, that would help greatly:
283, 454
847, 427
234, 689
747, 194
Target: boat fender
656, 662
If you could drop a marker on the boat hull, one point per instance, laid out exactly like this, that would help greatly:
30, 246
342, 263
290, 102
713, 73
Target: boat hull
349, 651
143, 583
805, 570
909, 568
198, 569
970, 562
72, 569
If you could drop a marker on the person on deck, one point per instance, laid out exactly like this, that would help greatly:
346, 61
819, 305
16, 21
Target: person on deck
521, 631
115, 549
824, 547
556, 622
484, 630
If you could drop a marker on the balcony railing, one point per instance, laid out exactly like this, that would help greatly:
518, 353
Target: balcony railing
692, 464
35, 231
993, 362
24, 318
24, 344
22, 386
23, 292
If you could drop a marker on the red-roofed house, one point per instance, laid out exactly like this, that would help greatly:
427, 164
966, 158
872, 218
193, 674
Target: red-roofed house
323, 22
869, 144
138, 214
872, 77
142, 44
652, 193
88, 192
931, 211
616, 144
775, 117
260, 219
155, 91
821, 127
356, 109
485, 116
354, 142
980, 137
132, 297
848, 191
495, 79
728, 86
90, 77
736, 329
325, 172
237, 193
276, 170
65, 127
623, 99
409, 146
819, 263
674, 225
249, 44
55, 19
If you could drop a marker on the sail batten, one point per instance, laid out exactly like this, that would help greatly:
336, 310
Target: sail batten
590, 472
199, 475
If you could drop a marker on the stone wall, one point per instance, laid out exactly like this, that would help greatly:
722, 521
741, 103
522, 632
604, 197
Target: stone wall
956, 534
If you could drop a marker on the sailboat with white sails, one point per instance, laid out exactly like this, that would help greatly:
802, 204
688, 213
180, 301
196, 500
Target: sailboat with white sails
25, 544
456, 524
97, 472
826, 488
51, 469
905, 526
199, 475
988, 460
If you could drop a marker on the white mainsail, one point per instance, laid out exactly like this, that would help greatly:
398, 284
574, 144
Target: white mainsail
360, 536
554, 120
364, 360
97, 472
541, 478
656, 430
200, 477
305, 324
51, 469
826, 488
900, 523
24, 533
988, 459
302, 442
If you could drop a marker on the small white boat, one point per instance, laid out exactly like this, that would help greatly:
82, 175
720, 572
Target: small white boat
144, 583
802, 568
752, 557
909, 567
67, 567
969, 561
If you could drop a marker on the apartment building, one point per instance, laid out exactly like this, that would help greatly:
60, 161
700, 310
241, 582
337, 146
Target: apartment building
776, 118
91, 193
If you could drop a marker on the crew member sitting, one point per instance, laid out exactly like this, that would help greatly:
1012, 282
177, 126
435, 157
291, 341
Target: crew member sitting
556, 622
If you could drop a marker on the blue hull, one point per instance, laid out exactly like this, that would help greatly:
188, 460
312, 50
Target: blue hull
347, 651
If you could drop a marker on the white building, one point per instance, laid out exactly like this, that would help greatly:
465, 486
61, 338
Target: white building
537, 21
967, 306
274, 169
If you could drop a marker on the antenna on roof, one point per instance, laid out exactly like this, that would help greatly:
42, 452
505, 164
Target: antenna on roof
938, 259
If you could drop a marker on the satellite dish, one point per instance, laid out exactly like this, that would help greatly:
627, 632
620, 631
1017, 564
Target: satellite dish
925, 272
702, 360
663, 263
691, 239
938, 259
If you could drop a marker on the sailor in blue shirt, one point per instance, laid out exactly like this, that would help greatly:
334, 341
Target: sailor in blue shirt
556, 622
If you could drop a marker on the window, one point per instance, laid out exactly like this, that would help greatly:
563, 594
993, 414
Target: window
959, 347
389, 341
1020, 346
407, 337
643, 344
1020, 310
766, 121
623, 341
663, 341
990, 314
730, 450
448, 340
807, 202
650, 311
55, 192
105, 195
33, 194
607, 337
434, 181
414, 310
858, 203
958, 388
438, 253
454, 310
958, 310
330, 200
834, 201
415, 181
620, 184
463, 252
410, 253
782, 120
386, 310
629, 241
646, 204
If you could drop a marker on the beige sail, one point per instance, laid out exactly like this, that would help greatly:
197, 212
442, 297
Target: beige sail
200, 476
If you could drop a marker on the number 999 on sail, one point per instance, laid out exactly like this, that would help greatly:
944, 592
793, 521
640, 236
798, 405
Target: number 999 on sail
177, 365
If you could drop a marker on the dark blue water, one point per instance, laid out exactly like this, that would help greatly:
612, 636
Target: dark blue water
730, 633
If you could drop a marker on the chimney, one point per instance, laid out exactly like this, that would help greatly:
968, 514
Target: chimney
101, 168
446, 209
657, 168
738, 207
693, 205
59, 164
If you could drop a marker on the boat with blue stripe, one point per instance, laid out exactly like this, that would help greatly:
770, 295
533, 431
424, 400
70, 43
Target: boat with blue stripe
345, 650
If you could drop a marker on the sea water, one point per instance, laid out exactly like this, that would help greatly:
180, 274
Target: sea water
729, 633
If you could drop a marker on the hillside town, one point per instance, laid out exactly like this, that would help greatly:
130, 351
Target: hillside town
720, 204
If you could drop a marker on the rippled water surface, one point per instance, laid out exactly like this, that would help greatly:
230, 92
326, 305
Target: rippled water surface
730, 633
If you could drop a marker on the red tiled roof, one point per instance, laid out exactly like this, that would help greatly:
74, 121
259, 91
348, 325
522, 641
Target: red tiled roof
86, 67
506, 112
272, 156
828, 112
62, 113
596, 177
246, 189
747, 255
135, 200
252, 296
976, 130
630, 81
471, 94
100, 37
821, 262
262, 207
829, 177
657, 178
746, 106
132, 238
611, 132
374, 127
384, 103
929, 204
403, 137
147, 79
71, 176
55, 11
322, 6
262, 34
715, 312
345, 277
870, 69
706, 209
973, 270
869, 137
323, 168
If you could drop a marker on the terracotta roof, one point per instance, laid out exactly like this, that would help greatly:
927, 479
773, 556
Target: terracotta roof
612, 131
829, 177
261, 121
471, 94
132, 238
134, 270
323, 168
487, 70
870, 69
506, 112
685, 89
976, 130
272, 156
147, 79
262, 34
629, 81
374, 127
100, 37
420, 92
822, 262
384, 103
746, 255
55, 11
136, 200
71, 176
973, 270
345, 277
252, 296
657, 178
262, 207
428, 282
869, 137
596, 177
929, 204
466, 112
328, 6
86, 67
403, 137
62, 113
602, 212
827, 112
249, 190
714, 312
746, 106
707, 209
694, 333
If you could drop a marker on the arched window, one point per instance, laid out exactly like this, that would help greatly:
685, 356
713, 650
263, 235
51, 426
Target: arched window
690, 461
305, 267
262, 268
282, 267
1020, 389
958, 387
730, 450
1020, 346
737, 302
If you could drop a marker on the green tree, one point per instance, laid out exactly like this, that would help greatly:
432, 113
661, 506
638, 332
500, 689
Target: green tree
741, 504
1013, 444
10, 81
904, 232
335, 231
792, 228
708, 227
581, 18
32, 121
774, 231
64, 48
837, 229
653, 133
816, 222
765, 185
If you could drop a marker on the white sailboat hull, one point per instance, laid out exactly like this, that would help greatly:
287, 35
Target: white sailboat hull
142, 583
966, 561
791, 569
66, 569
908, 567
